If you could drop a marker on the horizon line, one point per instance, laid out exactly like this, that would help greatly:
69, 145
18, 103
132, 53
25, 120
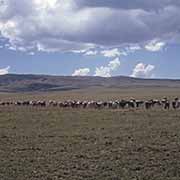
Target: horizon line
56, 75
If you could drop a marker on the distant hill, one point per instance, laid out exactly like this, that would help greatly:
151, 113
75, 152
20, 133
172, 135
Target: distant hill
30, 83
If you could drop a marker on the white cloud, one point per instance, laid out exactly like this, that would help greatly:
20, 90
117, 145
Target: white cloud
155, 46
4, 70
106, 71
81, 72
74, 25
113, 53
91, 53
114, 64
133, 48
143, 71
79, 51
103, 72
12, 48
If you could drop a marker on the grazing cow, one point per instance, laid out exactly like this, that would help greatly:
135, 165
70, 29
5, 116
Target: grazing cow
148, 104
18, 103
105, 104
175, 103
73, 104
110, 103
166, 103
131, 103
178, 104
2, 103
26, 103
90, 104
42, 103
53, 103
156, 102
60, 104
139, 103
84, 104
115, 105
99, 104
122, 104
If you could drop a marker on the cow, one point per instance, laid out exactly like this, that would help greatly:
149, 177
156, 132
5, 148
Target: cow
166, 103
139, 103
122, 104
175, 103
131, 103
148, 104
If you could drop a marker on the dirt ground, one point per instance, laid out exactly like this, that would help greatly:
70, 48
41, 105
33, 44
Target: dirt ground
55, 144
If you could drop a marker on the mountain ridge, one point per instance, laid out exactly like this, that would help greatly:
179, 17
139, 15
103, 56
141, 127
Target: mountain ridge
33, 82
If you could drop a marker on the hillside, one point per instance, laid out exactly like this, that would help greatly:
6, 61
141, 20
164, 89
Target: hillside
29, 83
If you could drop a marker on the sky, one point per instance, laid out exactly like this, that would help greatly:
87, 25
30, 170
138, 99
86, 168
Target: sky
138, 38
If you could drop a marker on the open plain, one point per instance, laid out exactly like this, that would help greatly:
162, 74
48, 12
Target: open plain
49, 143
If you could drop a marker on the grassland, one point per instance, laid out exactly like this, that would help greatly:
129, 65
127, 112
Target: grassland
54, 144
97, 94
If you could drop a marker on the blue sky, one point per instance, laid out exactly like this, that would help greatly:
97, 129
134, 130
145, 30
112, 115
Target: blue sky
76, 37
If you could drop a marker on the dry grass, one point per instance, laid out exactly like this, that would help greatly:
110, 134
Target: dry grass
96, 94
51, 143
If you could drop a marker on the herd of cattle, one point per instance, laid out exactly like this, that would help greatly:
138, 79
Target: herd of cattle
119, 104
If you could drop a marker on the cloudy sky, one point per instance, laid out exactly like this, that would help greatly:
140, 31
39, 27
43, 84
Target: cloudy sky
139, 38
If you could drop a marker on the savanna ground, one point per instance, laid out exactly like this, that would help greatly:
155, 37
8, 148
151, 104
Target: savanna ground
54, 144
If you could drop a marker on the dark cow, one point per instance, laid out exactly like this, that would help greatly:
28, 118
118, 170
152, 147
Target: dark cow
148, 104
139, 103
166, 103
122, 104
